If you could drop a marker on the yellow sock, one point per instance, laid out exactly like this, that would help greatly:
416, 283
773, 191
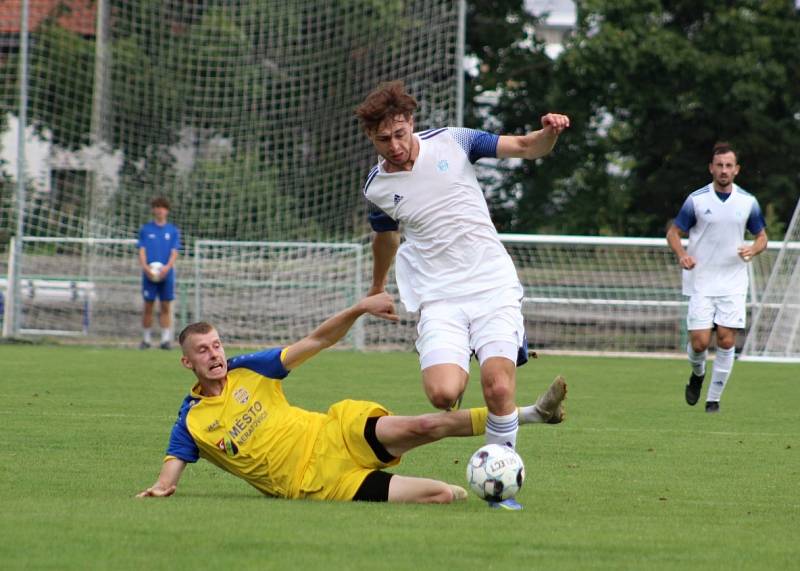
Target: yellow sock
478, 417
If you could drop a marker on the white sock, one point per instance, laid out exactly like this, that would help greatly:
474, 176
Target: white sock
723, 365
698, 360
166, 335
502, 429
147, 334
529, 415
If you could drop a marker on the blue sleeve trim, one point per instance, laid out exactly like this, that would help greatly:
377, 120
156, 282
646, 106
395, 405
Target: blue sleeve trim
686, 218
267, 363
380, 221
431, 133
370, 178
181, 444
477, 144
756, 222
140, 241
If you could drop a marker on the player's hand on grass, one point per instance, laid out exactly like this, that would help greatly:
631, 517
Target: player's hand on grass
157, 492
687, 262
555, 122
380, 305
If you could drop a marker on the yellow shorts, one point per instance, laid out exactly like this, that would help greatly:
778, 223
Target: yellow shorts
342, 458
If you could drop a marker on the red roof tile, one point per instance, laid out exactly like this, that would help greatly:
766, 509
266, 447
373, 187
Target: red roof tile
78, 15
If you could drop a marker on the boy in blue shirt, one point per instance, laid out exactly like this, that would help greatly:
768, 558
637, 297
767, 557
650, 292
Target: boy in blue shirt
159, 242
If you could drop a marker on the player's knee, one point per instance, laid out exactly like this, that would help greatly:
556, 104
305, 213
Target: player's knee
698, 345
498, 388
442, 397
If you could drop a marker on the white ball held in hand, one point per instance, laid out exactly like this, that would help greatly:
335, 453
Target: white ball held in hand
155, 271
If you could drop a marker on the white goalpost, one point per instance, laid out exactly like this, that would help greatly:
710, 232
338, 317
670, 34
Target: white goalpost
64, 291
775, 332
582, 294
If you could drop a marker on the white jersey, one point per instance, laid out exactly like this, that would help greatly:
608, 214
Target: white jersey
451, 247
716, 231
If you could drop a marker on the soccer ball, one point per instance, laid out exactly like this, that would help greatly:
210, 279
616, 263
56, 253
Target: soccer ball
495, 472
155, 271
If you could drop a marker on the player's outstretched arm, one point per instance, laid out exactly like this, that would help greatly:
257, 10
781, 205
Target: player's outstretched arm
674, 235
167, 481
334, 328
535, 144
384, 248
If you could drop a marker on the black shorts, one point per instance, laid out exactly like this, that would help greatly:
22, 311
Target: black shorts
375, 487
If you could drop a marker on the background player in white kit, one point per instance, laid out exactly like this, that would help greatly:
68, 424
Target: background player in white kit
714, 269
452, 266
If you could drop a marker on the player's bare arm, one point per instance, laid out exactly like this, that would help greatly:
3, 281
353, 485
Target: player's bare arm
759, 245
336, 327
384, 248
169, 265
535, 144
167, 481
674, 235
143, 260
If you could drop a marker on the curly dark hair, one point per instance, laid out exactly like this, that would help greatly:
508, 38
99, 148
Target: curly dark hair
387, 100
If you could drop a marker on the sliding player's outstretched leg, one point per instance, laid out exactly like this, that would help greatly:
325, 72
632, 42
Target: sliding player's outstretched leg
549, 407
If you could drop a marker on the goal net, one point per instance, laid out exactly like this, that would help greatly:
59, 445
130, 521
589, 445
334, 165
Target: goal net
581, 294
607, 295
775, 331
270, 292
240, 113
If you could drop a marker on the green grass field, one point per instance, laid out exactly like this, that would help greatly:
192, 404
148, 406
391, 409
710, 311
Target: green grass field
634, 479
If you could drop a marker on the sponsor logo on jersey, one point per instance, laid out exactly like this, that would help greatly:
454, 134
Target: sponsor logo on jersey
213, 426
707, 212
243, 426
166, 236
151, 236
442, 166
228, 446
241, 395
397, 198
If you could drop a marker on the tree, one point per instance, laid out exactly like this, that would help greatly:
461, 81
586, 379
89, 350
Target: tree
663, 80
508, 93
650, 85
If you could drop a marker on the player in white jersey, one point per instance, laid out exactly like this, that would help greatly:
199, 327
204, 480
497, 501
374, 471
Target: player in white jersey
452, 266
715, 269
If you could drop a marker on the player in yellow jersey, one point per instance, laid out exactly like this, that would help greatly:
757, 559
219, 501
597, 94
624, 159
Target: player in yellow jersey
237, 417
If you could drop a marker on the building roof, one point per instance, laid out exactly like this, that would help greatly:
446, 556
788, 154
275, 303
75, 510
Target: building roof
77, 16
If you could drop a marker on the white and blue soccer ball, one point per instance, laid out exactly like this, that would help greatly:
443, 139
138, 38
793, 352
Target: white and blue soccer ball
154, 271
495, 472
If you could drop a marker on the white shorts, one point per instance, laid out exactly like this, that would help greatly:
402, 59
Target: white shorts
489, 323
727, 310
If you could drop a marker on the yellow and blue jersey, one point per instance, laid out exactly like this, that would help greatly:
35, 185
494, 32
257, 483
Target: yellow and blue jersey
250, 430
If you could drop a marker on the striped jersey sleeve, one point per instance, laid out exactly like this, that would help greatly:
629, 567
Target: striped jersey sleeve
756, 222
686, 218
477, 144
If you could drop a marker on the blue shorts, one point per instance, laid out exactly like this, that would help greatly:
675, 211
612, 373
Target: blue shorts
163, 290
